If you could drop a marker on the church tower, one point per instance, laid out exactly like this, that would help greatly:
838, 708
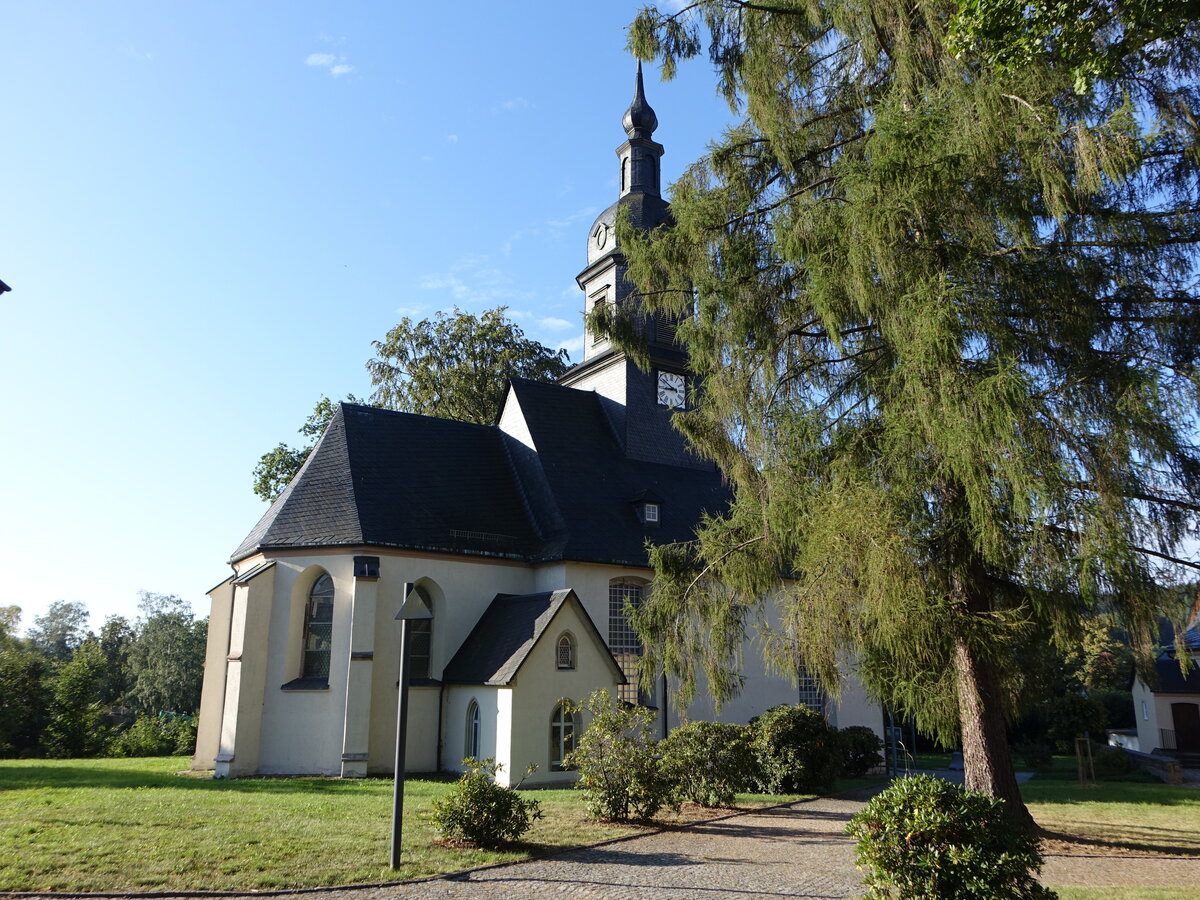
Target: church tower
642, 402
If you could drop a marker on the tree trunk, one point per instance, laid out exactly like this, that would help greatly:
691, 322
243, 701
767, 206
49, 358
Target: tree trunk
987, 762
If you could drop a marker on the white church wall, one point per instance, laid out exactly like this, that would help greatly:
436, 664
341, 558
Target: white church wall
461, 589
454, 719
512, 421
246, 672
303, 729
540, 686
212, 695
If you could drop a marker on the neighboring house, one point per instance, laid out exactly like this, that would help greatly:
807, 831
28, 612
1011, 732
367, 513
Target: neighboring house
1168, 716
527, 539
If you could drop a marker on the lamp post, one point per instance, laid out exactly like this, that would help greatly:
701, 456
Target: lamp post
414, 607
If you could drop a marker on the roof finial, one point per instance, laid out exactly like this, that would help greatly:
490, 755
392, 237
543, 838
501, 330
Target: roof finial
640, 120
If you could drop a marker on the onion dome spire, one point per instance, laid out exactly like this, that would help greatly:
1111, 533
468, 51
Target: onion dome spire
640, 120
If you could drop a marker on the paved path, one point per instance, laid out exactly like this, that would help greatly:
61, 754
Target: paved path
795, 852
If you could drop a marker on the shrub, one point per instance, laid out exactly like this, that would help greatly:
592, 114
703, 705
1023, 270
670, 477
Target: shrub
620, 772
927, 839
1069, 715
862, 750
1036, 755
1118, 707
161, 735
710, 762
796, 750
481, 812
1111, 762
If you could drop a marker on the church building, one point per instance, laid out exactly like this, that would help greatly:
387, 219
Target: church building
526, 539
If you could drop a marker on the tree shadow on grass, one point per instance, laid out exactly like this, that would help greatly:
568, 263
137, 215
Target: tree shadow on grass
87, 775
1165, 841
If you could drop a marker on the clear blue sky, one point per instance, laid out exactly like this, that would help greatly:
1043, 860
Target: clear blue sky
210, 211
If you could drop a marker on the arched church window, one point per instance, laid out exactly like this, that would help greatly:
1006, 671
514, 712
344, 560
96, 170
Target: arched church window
318, 629
562, 734
471, 744
625, 594
564, 652
420, 645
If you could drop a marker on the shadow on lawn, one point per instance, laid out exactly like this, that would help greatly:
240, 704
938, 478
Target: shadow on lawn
1167, 841
83, 775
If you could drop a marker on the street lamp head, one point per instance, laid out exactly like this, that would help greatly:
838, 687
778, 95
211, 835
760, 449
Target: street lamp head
415, 605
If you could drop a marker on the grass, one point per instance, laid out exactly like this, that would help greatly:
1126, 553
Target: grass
1135, 815
1116, 893
139, 825
1116, 816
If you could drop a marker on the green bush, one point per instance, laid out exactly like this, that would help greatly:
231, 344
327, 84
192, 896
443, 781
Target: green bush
620, 772
1038, 756
1111, 762
862, 750
1118, 707
161, 735
481, 812
710, 762
927, 839
797, 751
1069, 715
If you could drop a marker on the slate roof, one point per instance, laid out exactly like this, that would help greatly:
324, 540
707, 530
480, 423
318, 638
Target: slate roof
594, 484
1172, 681
506, 633
390, 479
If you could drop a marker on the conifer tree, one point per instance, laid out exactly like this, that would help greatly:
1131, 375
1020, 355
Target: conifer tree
946, 320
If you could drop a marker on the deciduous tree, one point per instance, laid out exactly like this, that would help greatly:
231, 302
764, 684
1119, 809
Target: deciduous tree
166, 661
454, 366
946, 318
60, 630
457, 365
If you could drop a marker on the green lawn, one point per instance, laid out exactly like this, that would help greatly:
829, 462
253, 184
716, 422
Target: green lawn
136, 824
1114, 816
1139, 816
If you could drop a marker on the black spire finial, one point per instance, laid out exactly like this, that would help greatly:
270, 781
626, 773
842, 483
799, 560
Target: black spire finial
640, 120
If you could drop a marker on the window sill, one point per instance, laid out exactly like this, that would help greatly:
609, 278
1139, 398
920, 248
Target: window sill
306, 684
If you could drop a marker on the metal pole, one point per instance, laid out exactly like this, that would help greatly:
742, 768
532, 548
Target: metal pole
401, 740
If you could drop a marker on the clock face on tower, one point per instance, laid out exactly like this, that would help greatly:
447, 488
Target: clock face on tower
672, 392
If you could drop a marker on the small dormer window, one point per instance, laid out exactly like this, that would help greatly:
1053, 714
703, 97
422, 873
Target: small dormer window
648, 508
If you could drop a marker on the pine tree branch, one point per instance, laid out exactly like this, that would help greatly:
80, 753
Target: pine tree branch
710, 566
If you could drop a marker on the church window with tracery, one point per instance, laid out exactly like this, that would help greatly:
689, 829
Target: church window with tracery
564, 653
318, 629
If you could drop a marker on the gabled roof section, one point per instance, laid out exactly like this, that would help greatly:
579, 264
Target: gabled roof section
391, 479
593, 481
507, 632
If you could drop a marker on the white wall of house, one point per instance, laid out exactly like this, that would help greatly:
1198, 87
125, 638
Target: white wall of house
1153, 714
1145, 712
